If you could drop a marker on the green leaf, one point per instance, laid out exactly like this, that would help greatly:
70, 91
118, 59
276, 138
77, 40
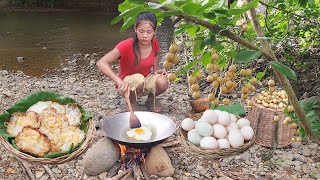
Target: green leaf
57, 154
260, 75
128, 13
247, 56
206, 58
129, 22
197, 47
157, 5
283, 69
234, 108
187, 67
210, 15
191, 8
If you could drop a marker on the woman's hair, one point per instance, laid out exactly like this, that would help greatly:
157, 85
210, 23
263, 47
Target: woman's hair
144, 16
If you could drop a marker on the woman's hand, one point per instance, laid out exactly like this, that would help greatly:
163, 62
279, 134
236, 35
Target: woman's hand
123, 87
161, 71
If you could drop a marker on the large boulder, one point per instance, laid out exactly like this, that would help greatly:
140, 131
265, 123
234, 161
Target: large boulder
100, 157
158, 163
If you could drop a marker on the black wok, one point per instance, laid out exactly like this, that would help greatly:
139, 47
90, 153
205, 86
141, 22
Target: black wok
161, 127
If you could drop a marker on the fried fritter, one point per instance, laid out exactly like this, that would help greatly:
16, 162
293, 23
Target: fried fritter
50, 119
32, 141
73, 114
19, 120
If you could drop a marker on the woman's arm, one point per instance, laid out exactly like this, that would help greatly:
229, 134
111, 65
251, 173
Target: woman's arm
156, 69
104, 66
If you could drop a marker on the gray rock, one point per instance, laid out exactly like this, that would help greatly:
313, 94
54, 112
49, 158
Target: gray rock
100, 157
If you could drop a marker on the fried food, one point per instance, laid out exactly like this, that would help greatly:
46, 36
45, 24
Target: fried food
68, 137
73, 114
19, 120
50, 119
32, 141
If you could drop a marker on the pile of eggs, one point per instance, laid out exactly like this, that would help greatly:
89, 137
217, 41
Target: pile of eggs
218, 130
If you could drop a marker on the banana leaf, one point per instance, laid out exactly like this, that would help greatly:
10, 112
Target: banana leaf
235, 108
24, 104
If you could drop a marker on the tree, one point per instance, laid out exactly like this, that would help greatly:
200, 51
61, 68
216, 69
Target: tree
212, 25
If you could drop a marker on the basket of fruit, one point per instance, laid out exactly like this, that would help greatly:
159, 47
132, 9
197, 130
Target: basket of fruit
274, 127
47, 128
216, 134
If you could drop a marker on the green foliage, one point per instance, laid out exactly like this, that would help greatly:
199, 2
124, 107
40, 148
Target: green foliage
235, 108
283, 69
247, 56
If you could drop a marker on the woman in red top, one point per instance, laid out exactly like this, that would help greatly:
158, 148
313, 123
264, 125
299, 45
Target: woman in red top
137, 57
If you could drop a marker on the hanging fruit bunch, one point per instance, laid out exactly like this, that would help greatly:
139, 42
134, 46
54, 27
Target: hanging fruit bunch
223, 82
171, 59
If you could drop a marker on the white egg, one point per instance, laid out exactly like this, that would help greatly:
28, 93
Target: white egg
194, 137
247, 132
219, 131
232, 126
235, 139
143, 133
217, 112
209, 116
209, 142
243, 122
223, 143
187, 124
233, 118
224, 118
204, 128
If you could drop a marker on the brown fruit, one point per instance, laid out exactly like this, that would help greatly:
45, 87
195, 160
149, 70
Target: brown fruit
224, 90
210, 78
253, 81
250, 103
195, 87
215, 84
199, 76
290, 108
192, 79
215, 76
209, 67
171, 76
272, 89
244, 96
170, 56
294, 125
244, 27
220, 80
243, 72
215, 67
299, 139
293, 139
176, 60
271, 83
211, 97
226, 101
167, 64
174, 48
248, 72
232, 68
216, 101
196, 95
244, 90
276, 118
215, 56
229, 84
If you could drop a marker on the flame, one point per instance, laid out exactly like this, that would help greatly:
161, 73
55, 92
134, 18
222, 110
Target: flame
123, 151
137, 154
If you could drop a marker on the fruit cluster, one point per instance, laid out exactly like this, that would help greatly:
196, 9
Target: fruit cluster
171, 59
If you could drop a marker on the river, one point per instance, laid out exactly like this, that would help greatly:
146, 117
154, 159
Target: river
46, 39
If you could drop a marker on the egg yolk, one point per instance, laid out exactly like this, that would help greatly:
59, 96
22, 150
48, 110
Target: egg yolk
138, 130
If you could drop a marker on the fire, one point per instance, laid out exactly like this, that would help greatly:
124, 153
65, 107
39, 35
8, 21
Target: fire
128, 154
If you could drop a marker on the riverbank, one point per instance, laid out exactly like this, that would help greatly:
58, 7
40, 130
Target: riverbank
95, 93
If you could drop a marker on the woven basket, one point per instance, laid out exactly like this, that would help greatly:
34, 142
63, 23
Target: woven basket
266, 128
83, 148
211, 153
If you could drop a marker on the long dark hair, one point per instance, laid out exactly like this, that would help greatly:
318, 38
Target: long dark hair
144, 16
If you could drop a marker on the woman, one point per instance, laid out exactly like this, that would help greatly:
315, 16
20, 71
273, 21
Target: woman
137, 57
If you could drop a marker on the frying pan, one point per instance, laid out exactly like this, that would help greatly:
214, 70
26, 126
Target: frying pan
161, 127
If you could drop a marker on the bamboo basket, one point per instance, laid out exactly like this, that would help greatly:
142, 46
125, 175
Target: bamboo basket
212, 153
267, 127
61, 159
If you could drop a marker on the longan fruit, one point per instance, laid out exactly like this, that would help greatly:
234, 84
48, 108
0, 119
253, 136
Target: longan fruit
250, 103
243, 72
299, 139
244, 90
171, 76
285, 122
244, 96
196, 95
276, 118
229, 84
210, 78
244, 27
176, 60
170, 56
199, 76
271, 83
248, 72
209, 67
232, 68
174, 48
215, 56
289, 120
290, 108
215, 76
215, 67
226, 101
211, 97
253, 80
216, 101
215, 84
167, 64
195, 87
293, 139
220, 80
272, 89
294, 125
192, 79
224, 90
